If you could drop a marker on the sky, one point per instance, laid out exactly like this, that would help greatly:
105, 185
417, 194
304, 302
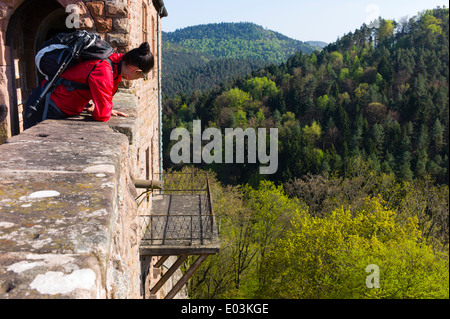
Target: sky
304, 20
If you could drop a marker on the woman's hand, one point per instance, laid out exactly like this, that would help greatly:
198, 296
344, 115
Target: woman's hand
89, 108
117, 113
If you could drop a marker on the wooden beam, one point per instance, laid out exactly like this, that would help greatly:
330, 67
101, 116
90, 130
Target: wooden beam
186, 277
168, 250
161, 261
168, 274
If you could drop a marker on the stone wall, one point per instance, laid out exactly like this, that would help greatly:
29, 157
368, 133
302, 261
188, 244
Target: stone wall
69, 225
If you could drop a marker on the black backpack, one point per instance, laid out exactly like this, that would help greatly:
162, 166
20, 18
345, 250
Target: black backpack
57, 55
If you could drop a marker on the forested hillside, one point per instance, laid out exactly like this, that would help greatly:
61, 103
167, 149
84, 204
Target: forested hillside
202, 57
377, 95
363, 169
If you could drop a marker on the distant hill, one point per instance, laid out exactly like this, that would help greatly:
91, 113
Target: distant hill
203, 56
318, 44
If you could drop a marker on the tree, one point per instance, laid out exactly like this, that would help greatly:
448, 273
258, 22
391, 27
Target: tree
406, 173
260, 117
336, 59
378, 138
221, 275
386, 32
234, 98
272, 212
370, 102
432, 24
260, 87
323, 101
327, 258
312, 133
437, 137
385, 69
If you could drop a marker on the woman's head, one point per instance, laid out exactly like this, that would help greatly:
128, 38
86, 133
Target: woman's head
137, 62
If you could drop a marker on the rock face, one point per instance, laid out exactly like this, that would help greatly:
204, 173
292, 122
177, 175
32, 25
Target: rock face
69, 225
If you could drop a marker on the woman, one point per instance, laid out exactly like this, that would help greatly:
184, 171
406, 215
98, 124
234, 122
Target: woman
103, 78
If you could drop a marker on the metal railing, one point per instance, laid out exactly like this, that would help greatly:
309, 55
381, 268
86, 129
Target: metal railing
188, 217
178, 230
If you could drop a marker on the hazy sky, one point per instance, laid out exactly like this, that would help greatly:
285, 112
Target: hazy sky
304, 20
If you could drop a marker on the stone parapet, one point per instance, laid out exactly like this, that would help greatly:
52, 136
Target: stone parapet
69, 225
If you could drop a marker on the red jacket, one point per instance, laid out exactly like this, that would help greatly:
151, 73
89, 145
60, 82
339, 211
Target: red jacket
102, 83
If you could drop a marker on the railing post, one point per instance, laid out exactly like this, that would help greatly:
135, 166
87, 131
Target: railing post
210, 203
192, 231
151, 229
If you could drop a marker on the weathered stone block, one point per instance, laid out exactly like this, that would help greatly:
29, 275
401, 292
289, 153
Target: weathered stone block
4, 95
118, 39
11, 3
3, 10
5, 57
82, 9
121, 25
116, 9
97, 8
103, 24
86, 23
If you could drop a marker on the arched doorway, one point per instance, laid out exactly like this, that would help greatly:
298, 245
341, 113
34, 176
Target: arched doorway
34, 22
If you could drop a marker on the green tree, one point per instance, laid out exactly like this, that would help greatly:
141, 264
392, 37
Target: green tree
386, 31
405, 172
432, 24
234, 98
260, 87
327, 258
323, 101
421, 153
437, 137
378, 138
241, 118
312, 133
272, 212
260, 117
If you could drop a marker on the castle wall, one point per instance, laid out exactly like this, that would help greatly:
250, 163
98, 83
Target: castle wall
69, 225
91, 230
125, 24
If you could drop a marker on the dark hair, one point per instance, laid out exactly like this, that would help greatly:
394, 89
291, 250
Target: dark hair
140, 57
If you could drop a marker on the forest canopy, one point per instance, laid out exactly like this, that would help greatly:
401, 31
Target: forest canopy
376, 94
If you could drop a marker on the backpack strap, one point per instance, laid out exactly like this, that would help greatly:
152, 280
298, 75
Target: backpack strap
111, 63
49, 103
119, 68
72, 85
